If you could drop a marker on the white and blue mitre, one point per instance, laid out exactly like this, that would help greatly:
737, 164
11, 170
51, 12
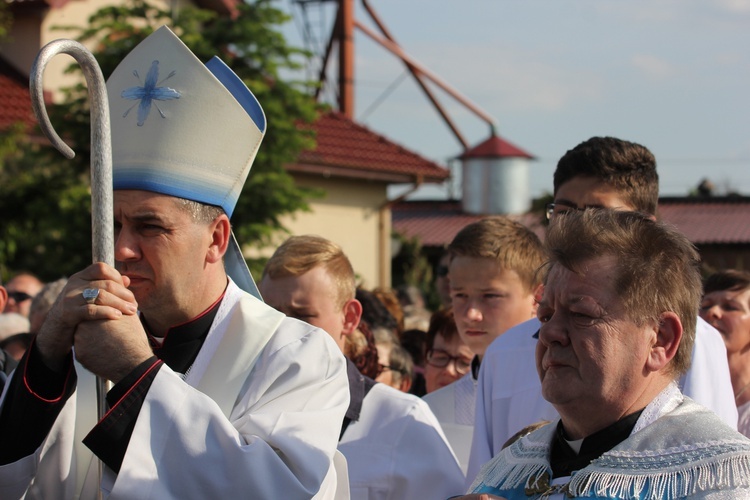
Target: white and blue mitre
184, 129
678, 449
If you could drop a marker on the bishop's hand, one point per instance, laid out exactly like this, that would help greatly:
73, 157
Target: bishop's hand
114, 301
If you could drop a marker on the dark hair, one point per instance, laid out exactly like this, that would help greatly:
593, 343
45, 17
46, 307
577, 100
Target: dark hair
401, 364
364, 355
443, 323
728, 279
23, 339
626, 166
391, 302
374, 312
415, 342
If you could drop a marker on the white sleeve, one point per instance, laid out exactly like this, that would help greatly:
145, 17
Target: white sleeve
707, 381
278, 443
425, 466
509, 395
397, 450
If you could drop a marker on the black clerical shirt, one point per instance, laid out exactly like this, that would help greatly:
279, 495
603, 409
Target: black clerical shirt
564, 460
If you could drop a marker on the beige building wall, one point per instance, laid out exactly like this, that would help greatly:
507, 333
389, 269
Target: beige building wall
22, 44
351, 215
30, 34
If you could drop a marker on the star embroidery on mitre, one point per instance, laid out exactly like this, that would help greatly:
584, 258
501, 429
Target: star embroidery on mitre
149, 93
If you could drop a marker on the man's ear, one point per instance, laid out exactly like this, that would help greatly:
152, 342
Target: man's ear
668, 334
536, 297
352, 315
221, 230
3, 298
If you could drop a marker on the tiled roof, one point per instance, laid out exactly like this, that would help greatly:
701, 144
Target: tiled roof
496, 147
435, 223
347, 149
14, 96
703, 220
709, 220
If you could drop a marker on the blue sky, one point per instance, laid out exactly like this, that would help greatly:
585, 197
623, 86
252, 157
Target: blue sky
673, 75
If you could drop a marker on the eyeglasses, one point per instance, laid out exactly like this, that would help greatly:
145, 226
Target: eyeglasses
440, 359
442, 271
19, 297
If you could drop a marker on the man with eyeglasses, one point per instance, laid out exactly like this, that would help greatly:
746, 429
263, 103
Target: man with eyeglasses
21, 289
602, 172
393, 444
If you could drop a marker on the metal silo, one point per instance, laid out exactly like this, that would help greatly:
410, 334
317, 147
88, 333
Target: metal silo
495, 178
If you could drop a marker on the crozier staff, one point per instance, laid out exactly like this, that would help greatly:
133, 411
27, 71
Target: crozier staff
216, 394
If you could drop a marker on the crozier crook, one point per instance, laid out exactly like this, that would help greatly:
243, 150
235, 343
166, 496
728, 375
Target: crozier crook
102, 218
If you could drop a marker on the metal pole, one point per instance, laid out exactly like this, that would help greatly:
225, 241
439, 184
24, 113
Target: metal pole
102, 212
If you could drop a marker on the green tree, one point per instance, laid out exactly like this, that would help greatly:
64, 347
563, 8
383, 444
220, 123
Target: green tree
52, 234
412, 267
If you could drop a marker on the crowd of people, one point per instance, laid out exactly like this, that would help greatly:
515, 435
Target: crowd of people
596, 363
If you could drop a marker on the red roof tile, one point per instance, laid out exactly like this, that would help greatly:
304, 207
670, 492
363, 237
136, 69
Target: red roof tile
435, 223
14, 94
347, 149
709, 220
495, 147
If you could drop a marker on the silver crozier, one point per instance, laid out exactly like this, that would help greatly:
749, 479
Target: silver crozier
102, 218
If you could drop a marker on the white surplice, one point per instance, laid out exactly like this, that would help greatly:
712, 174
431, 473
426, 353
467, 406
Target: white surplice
397, 450
284, 406
509, 394
453, 406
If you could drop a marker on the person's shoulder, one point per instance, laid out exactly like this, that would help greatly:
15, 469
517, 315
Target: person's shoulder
441, 398
395, 403
689, 425
706, 335
291, 334
304, 335
448, 393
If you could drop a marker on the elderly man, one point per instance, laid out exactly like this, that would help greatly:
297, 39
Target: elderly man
600, 172
618, 318
216, 395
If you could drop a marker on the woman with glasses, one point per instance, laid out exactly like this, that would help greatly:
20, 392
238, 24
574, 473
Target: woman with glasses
447, 360
447, 357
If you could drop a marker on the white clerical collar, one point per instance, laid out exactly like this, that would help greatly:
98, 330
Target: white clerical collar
575, 445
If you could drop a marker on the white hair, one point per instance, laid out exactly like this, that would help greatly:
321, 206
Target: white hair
11, 324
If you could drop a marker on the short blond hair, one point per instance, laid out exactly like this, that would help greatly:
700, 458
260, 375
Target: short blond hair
513, 246
300, 254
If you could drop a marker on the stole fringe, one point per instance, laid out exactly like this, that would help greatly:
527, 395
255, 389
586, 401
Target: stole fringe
725, 473
526, 461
